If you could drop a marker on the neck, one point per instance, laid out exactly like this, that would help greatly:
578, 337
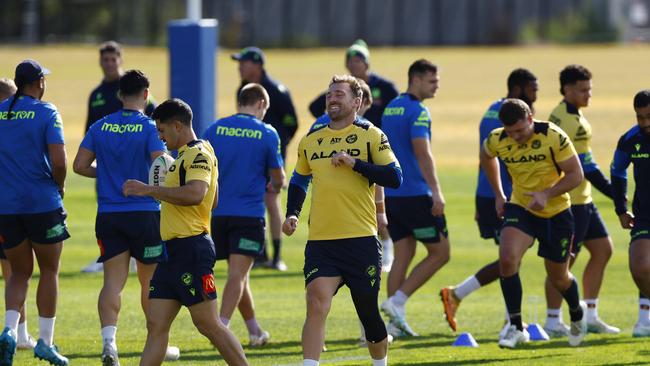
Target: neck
414, 93
342, 123
248, 110
134, 104
31, 92
113, 77
186, 137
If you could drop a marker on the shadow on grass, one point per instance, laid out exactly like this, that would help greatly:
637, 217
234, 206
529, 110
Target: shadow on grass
473, 362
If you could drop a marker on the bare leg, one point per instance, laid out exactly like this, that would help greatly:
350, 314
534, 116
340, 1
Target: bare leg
160, 315
319, 300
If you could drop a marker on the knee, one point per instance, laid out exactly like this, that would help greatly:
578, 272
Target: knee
508, 265
156, 327
317, 306
640, 271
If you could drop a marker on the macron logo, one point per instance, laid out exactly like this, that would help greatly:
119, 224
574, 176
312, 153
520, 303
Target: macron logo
117, 128
239, 132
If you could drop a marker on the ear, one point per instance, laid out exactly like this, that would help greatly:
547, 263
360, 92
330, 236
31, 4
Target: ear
146, 94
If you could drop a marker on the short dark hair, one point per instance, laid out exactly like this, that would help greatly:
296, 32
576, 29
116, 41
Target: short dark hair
133, 82
421, 67
512, 110
572, 74
642, 99
110, 47
353, 82
520, 77
173, 109
252, 93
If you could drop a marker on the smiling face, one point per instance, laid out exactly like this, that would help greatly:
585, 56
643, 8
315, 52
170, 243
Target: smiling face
341, 102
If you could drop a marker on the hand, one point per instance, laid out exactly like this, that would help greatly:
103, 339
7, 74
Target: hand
627, 220
499, 206
134, 187
289, 226
438, 207
271, 189
342, 158
538, 201
382, 221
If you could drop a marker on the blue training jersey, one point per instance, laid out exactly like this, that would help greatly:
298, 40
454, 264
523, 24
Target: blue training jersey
246, 148
26, 179
490, 122
123, 142
632, 148
325, 120
406, 118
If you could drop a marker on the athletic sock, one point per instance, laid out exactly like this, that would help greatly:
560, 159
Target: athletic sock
512, 293
225, 321
572, 297
399, 299
644, 309
308, 362
382, 362
592, 309
387, 247
11, 319
108, 335
276, 250
23, 334
46, 329
553, 317
468, 286
253, 327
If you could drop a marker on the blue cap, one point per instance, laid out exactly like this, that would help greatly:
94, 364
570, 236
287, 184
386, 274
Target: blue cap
29, 71
251, 54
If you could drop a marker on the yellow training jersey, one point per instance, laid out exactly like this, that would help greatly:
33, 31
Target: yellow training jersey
533, 165
575, 125
343, 201
196, 161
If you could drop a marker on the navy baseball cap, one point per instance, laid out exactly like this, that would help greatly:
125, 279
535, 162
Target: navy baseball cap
29, 71
251, 54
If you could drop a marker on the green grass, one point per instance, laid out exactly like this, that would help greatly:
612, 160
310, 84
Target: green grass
471, 79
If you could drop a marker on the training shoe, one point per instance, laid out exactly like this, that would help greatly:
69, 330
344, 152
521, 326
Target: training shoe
278, 265
578, 329
397, 319
557, 330
450, 305
258, 340
513, 337
28, 343
173, 353
599, 326
7, 346
49, 353
109, 355
641, 330
386, 262
93, 267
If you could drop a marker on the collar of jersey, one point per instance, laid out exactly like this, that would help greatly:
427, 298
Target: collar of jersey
571, 109
341, 131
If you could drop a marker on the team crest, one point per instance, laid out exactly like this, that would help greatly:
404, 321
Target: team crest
536, 144
351, 139
371, 271
187, 278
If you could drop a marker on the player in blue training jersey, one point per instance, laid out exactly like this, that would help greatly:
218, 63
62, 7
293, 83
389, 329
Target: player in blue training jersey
522, 84
416, 209
243, 140
32, 217
634, 148
118, 147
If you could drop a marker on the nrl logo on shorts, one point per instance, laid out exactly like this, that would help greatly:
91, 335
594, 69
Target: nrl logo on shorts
371, 271
187, 278
351, 139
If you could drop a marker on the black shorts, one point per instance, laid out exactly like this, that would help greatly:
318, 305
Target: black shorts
489, 225
641, 230
238, 235
555, 234
411, 216
137, 232
187, 275
41, 228
588, 225
356, 260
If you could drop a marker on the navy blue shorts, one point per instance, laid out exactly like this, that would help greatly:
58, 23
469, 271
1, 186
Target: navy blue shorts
41, 228
588, 225
137, 232
554, 234
411, 216
187, 275
356, 260
238, 235
489, 225
641, 230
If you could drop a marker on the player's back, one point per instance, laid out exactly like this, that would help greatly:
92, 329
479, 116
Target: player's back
246, 148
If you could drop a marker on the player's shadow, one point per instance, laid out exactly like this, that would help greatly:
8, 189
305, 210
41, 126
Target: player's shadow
424, 341
471, 362
95, 355
563, 343
275, 274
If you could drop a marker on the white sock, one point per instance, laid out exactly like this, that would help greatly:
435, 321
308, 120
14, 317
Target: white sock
363, 331
592, 309
644, 311
23, 334
108, 334
399, 299
387, 245
468, 286
382, 362
11, 319
553, 316
46, 329
308, 362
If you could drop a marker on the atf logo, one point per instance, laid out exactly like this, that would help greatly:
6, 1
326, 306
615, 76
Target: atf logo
335, 140
208, 284
351, 139
187, 278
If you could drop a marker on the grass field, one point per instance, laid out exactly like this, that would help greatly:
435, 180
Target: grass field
470, 80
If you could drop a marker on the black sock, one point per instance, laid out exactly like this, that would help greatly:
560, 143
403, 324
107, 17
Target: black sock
512, 293
572, 297
276, 250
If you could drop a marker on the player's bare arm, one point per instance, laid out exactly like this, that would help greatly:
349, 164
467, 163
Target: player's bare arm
59, 161
422, 150
190, 194
490, 166
84, 163
573, 176
277, 180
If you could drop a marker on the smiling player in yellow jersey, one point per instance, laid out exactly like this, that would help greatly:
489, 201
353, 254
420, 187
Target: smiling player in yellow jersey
590, 230
544, 166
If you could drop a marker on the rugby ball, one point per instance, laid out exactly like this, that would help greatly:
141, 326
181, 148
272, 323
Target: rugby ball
159, 168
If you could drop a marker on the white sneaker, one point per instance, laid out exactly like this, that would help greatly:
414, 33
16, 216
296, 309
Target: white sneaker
172, 353
578, 329
109, 355
397, 319
28, 343
557, 329
93, 267
390, 309
386, 262
599, 326
513, 337
641, 330
259, 340
395, 331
